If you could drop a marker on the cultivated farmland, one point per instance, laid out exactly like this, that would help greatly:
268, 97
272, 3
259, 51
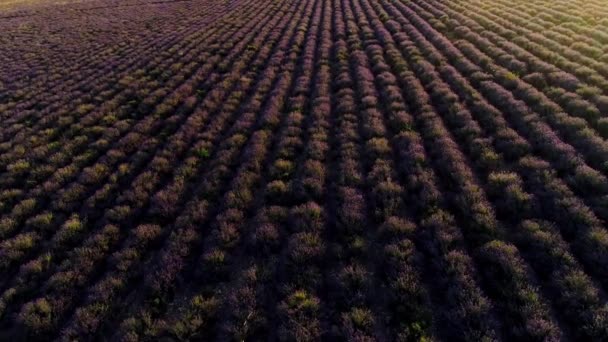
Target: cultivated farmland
282, 170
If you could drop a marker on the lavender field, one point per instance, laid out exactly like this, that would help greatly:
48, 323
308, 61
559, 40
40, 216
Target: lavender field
303, 170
